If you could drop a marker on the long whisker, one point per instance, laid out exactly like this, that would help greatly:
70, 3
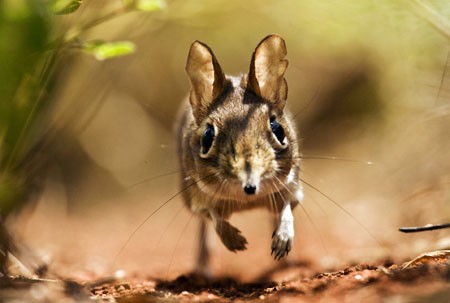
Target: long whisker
317, 204
332, 158
172, 220
344, 210
336, 158
221, 188
280, 193
153, 178
203, 232
216, 192
274, 199
322, 243
176, 245
309, 174
425, 190
307, 215
154, 212
311, 101
166, 228
283, 185
187, 172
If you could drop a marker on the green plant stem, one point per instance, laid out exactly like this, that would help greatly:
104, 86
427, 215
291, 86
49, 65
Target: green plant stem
41, 86
65, 40
56, 46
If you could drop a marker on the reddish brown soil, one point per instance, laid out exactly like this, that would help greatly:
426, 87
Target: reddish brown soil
361, 283
425, 279
74, 277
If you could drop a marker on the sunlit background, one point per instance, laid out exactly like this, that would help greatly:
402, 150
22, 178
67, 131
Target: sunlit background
368, 85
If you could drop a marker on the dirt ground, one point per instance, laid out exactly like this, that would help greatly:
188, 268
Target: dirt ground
427, 282
87, 262
369, 90
93, 255
423, 279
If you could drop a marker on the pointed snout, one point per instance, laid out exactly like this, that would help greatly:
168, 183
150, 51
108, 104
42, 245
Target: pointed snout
249, 172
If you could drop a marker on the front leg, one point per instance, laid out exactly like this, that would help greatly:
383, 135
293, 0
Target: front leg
231, 236
283, 236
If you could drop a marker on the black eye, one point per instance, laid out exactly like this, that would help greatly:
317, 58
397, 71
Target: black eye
207, 138
277, 129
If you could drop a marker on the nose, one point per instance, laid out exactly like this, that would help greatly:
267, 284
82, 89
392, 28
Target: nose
250, 189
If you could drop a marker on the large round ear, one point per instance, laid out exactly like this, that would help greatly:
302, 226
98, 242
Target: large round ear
267, 68
207, 79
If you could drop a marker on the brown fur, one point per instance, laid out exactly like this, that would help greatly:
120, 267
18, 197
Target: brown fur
244, 146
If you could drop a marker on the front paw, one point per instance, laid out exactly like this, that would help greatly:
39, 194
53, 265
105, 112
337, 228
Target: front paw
281, 244
231, 237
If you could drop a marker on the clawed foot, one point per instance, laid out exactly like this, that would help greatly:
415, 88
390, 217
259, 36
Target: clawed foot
281, 245
283, 235
231, 236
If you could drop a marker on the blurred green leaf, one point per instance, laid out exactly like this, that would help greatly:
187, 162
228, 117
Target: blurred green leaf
106, 50
129, 3
24, 32
64, 7
150, 5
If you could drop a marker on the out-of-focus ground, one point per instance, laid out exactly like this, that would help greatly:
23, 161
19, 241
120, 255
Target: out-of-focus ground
367, 81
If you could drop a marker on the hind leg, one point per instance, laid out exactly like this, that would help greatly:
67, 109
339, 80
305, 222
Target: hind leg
229, 235
203, 256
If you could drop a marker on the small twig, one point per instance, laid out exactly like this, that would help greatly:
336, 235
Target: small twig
423, 228
31, 280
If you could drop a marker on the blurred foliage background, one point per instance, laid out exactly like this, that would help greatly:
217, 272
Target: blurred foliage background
367, 81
